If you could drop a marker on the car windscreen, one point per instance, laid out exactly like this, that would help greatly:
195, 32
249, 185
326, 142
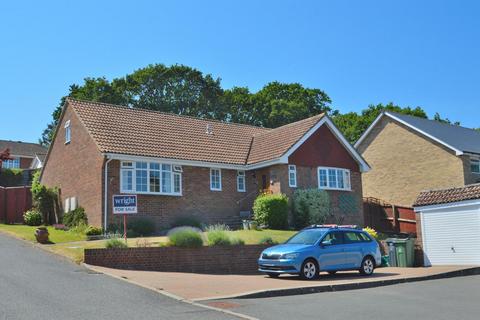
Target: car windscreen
309, 236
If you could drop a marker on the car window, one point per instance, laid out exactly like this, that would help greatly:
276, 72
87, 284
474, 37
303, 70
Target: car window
352, 237
309, 236
364, 237
333, 238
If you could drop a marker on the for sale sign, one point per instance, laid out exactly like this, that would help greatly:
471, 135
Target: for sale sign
124, 204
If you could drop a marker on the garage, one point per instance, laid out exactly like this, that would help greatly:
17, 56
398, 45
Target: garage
450, 225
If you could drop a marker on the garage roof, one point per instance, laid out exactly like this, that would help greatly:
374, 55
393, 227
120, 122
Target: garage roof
431, 197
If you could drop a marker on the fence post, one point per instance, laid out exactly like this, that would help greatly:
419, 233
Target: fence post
396, 223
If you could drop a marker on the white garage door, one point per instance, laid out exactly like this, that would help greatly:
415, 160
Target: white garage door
452, 236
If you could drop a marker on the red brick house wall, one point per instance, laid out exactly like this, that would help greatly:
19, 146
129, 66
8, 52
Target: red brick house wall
76, 168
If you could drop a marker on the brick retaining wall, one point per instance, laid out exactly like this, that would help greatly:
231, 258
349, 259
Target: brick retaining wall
210, 260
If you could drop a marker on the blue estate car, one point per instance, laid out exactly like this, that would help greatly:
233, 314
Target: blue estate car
322, 248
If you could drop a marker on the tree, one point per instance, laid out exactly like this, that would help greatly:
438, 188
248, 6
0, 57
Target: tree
353, 124
178, 89
277, 104
4, 155
438, 118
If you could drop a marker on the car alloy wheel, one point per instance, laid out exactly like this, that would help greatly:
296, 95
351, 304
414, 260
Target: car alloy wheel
309, 270
367, 266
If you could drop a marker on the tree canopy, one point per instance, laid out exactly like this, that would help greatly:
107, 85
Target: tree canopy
187, 91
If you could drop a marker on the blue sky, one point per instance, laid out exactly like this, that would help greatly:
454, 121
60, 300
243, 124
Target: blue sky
414, 53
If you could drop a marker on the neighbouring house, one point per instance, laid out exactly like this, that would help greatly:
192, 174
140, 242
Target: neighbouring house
25, 155
409, 154
185, 166
450, 225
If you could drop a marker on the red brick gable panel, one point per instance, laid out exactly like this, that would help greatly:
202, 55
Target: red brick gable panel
322, 148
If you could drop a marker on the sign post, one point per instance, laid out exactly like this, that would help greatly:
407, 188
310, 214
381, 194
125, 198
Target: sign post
125, 205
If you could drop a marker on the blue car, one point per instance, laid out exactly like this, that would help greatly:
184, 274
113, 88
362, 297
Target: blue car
322, 248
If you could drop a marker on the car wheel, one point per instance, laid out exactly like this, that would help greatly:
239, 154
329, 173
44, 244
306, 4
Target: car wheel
272, 275
309, 270
367, 267
332, 272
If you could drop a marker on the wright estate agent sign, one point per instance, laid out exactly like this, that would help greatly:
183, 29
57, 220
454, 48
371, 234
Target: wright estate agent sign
124, 204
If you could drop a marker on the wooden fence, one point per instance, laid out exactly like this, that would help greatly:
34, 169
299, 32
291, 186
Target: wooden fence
14, 201
388, 218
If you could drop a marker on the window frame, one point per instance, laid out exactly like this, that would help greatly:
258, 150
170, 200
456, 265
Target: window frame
219, 188
241, 175
477, 160
292, 169
346, 175
68, 132
131, 166
13, 163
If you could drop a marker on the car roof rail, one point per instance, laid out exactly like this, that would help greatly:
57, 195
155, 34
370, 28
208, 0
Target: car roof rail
333, 226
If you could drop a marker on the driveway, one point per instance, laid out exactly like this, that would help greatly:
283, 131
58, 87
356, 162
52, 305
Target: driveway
443, 299
35, 284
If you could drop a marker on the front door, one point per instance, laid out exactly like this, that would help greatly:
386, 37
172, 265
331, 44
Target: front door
331, 252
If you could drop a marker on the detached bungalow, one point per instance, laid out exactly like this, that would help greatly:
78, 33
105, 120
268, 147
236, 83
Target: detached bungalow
180, 165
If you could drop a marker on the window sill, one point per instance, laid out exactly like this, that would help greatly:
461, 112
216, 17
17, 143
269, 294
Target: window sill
335, 189
153, 193
215, 189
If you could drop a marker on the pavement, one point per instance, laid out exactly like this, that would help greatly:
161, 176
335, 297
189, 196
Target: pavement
35, 284
201, 287
442, 299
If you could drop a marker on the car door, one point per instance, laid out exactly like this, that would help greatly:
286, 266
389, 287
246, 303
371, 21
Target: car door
353, 248
331, 255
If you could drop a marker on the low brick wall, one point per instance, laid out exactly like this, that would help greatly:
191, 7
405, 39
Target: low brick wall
209, 260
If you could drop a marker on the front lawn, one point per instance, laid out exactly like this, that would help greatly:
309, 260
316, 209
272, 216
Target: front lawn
71, 244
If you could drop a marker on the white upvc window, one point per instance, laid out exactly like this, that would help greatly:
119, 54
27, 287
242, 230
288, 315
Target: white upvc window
68, 131
241, 187
292, 176
215, 179
334, 178
13, 163
475, 165
150, 178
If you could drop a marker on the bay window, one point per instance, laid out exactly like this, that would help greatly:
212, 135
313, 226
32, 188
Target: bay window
150, 178
334, 178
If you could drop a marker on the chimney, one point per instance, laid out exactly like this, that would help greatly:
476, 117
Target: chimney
209, 129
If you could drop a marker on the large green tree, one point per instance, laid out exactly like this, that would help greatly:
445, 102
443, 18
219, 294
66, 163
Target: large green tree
353, 124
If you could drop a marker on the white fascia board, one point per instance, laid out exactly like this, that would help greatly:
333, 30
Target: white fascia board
364, 167
192, 163
20, 156
447, 205
365, 134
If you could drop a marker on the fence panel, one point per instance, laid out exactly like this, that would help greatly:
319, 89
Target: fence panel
14, 201
387, 218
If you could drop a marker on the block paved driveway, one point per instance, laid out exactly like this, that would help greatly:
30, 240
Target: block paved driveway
38, 285
444, 299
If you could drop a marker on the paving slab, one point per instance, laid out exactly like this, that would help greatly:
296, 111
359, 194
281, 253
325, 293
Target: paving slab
200, 287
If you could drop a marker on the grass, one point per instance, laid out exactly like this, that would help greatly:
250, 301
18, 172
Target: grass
71, 244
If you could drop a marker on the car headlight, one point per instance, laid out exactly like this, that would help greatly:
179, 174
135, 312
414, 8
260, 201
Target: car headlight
289, 256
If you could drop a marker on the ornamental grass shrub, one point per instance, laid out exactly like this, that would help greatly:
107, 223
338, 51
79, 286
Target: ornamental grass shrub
115, 243
186, 238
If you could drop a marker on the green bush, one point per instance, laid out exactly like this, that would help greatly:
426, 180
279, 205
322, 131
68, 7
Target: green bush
75, 217
186, 239
310, 206
218, 238
115, 243
267, 241
93, 231
236, 241
190, 221
32, 217
44, 199
11, 177
80, 228
271, 210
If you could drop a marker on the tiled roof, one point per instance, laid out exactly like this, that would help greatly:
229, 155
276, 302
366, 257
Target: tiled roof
20, 148
140, 132
469, 192
274, 143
